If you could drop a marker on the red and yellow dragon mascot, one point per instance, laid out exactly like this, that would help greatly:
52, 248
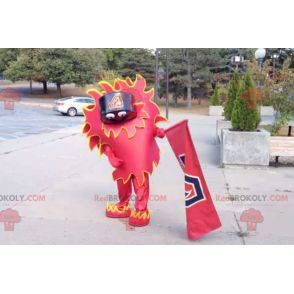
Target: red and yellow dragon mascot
122, 125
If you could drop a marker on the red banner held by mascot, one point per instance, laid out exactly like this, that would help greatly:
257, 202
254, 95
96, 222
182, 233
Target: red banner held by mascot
201, 215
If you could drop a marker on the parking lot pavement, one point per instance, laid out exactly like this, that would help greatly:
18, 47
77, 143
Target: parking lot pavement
65, 189
27, 120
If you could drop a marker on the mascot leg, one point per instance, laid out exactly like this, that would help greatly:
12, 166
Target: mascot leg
140, 216
122, 208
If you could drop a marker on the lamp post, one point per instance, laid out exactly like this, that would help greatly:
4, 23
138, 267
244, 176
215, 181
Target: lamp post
274, 57
237, 59
167, 85
159, 75
156, 74
259, 56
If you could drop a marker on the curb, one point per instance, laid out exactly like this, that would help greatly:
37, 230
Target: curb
42, 105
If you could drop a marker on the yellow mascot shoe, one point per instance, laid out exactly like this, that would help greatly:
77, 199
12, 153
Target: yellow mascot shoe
118, 211
139, 218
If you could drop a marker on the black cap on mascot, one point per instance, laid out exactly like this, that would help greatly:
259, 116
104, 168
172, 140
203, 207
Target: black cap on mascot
117, 107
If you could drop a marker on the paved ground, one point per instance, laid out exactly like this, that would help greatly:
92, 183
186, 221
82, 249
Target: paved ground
60, 189
25, 120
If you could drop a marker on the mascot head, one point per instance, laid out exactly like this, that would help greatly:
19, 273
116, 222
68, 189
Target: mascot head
120, 108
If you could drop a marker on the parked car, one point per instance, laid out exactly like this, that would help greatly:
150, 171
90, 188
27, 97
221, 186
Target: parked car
72, 106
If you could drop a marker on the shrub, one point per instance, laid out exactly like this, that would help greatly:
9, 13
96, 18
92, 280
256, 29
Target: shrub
262, 78
267, 90
233, 93
284, 105
215, 98
283, 97
245, 114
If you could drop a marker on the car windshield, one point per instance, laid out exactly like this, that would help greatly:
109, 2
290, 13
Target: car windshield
63, 99
84, 100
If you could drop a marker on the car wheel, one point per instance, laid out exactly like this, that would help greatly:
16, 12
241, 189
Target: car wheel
72, 111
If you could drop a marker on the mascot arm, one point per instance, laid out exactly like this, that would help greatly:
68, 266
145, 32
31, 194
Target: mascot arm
114, 161
158, 132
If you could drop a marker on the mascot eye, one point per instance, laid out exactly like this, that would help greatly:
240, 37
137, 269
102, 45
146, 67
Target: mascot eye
110, 116
122, 114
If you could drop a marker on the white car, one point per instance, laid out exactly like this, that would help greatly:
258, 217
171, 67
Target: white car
72, 106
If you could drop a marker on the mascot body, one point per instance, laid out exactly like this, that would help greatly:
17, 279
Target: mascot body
122, 125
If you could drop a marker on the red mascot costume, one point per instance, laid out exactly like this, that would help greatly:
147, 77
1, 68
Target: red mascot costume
122, 125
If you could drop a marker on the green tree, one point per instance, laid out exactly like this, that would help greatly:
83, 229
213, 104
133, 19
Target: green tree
130, 61
88, 64
109, 75
233, 94
193, 71
265, 84
177, 73
198, 77
245, 114
57, 66
7, 55
23, 68
248, 81
63, 66
215, 98
189, 72
114, 57
138, 61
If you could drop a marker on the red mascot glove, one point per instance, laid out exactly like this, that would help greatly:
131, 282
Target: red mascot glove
159, 132
114, 161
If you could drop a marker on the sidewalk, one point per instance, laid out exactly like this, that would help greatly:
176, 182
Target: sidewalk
60, 189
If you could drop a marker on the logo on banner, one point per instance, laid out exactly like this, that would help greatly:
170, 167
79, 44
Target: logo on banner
116, 102
193, 190
182, 160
